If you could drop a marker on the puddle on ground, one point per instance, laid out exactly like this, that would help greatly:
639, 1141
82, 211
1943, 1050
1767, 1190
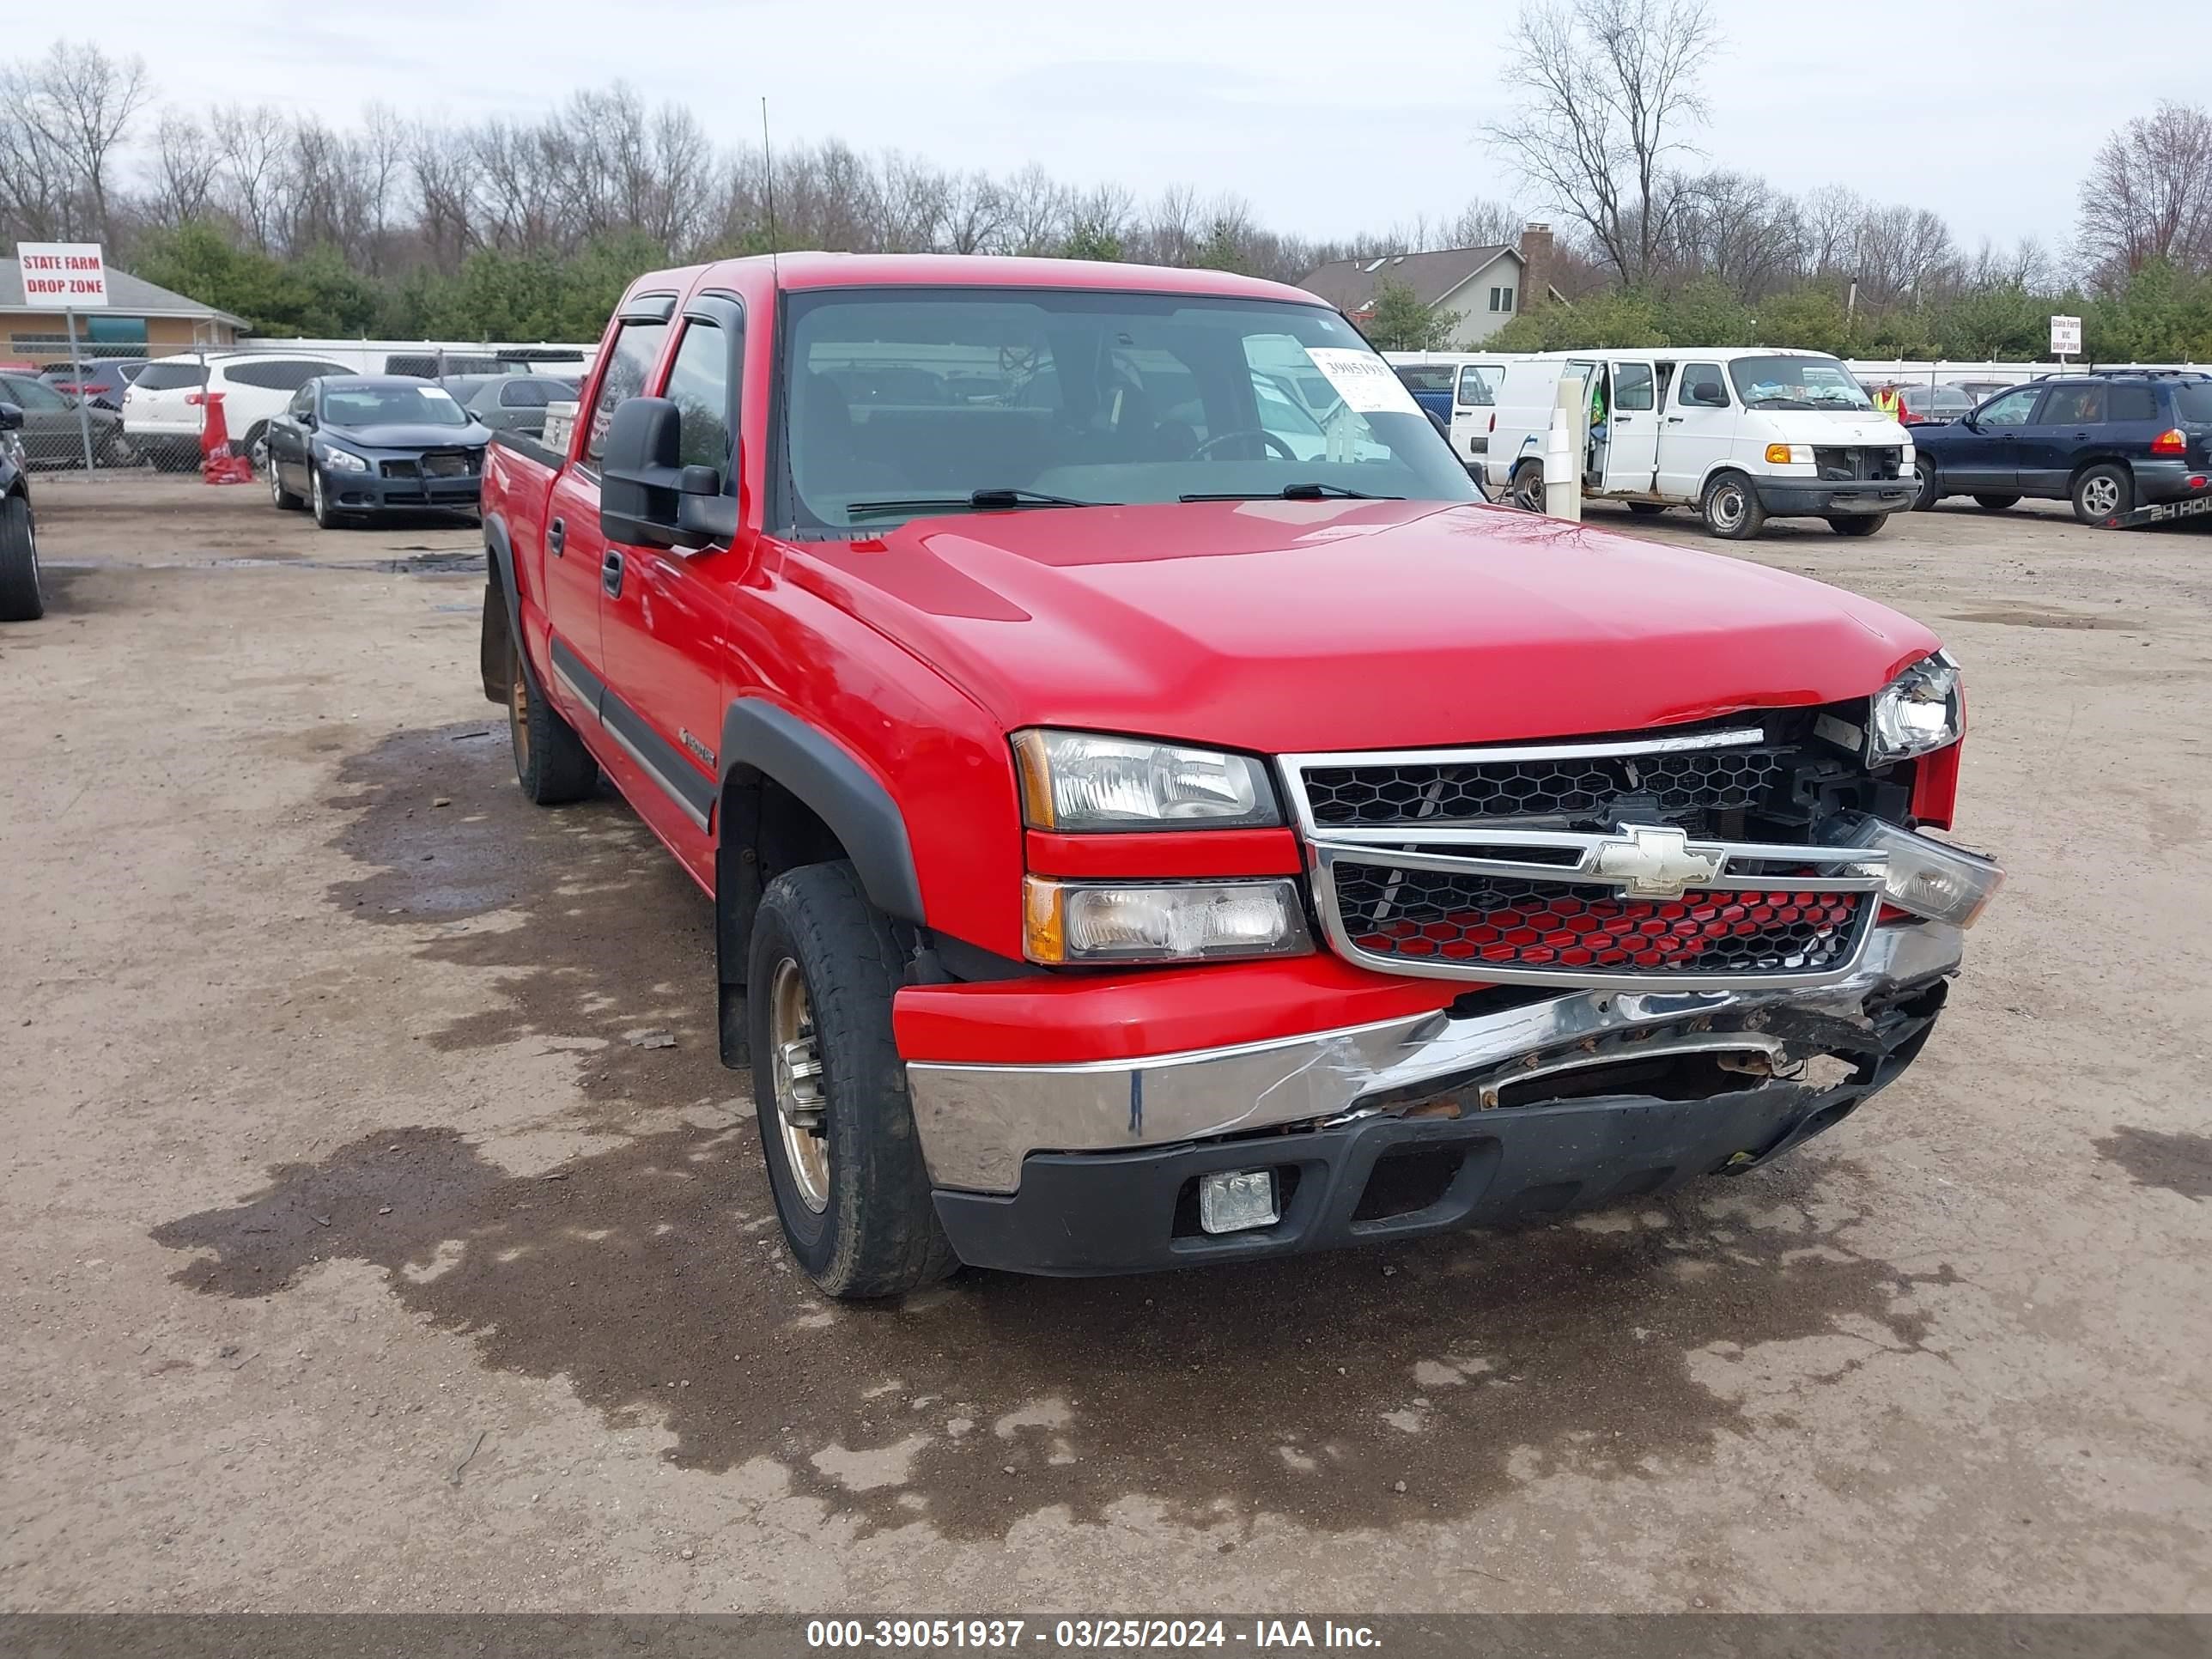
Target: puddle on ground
2179, 1163
613, 936
2024, 616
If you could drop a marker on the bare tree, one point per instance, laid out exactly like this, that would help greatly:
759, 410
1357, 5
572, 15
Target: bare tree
181, 179
1735, 227
2149, 195
254, 178
1611, 86
82, 103
1038, 208
1486, 223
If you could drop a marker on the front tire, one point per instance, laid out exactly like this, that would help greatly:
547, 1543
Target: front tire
1930, 491
1858, 524
1730, 508
550, 761
279, 497
1996, 503
318, 499
837, 1127
2104, 492
21, 598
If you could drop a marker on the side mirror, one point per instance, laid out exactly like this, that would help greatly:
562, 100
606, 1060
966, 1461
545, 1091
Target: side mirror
308, 421
11, 417
647, 496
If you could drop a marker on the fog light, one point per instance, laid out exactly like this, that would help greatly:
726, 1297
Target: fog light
1927, 877
1236, 1200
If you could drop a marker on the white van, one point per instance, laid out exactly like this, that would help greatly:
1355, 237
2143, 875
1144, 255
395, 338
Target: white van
1743, 433
1458, 389
161, 411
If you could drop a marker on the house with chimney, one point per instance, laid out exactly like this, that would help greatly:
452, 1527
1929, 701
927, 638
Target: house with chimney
1484, 287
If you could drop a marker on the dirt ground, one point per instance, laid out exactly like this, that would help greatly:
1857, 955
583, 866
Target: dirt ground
353, 1253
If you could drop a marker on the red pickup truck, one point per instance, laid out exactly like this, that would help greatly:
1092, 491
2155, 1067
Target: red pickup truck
1156, 815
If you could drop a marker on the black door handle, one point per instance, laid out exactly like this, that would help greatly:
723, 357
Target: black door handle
557, 534
610, 574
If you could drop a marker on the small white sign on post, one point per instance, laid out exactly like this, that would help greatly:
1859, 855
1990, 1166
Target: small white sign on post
2065, 336
67, 276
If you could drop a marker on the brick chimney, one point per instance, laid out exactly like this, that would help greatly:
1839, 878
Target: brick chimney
1536, 266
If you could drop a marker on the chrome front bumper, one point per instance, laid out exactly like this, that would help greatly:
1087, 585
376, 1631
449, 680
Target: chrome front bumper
979, 1122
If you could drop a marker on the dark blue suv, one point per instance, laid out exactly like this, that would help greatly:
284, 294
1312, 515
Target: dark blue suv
2109, 443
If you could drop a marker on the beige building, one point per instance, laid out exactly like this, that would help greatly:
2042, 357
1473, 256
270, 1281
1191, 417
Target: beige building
1483, 288
140, 320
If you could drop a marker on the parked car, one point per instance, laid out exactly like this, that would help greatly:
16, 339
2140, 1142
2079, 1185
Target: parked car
161, 415
51, 435
1136, 842
1925, 406
2108, 443
353, 444
510, 403
1742, 433
102, 379
21, 599
1432, 386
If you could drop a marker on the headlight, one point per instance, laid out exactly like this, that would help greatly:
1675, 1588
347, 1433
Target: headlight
1922, 875
343, 460
1082, 780
1904, 460
1069, 922
1919, 710
1789, 454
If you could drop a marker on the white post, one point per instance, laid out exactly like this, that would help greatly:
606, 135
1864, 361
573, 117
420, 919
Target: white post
1564, 446
76, 375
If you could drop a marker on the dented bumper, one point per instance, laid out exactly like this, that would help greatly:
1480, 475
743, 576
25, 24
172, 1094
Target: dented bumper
1576, 1099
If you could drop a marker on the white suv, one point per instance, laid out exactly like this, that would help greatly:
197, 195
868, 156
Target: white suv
161, 412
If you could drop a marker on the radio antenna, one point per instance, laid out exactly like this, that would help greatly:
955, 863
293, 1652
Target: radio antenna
768, 159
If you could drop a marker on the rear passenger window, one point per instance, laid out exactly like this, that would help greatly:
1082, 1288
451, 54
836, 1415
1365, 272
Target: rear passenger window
172, 377
2075, 405
631, 359
1632, 386
523, 394
2135, 403
699, 386
286, 376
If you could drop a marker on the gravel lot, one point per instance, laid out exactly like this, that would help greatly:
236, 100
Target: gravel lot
354, 1256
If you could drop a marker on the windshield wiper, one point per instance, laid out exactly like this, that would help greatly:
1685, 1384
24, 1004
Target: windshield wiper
1292, 492
1779, 403
984, 500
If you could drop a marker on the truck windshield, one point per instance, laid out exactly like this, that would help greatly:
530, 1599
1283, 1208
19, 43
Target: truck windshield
1797, 383
908, 401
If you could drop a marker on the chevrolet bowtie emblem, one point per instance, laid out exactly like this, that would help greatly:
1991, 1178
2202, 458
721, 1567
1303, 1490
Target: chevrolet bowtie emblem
1651, 862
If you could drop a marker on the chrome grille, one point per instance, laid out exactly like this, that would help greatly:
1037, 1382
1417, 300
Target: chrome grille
1577, 863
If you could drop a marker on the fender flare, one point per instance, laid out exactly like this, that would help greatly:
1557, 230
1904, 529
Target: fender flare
840, 791
499, 559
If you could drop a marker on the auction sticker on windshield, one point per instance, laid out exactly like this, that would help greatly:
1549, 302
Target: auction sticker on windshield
1367, 383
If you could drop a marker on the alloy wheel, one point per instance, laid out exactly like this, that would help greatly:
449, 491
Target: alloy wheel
801, 1106
2100, 496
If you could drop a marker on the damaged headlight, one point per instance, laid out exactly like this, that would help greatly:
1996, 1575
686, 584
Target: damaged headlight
1922, 709
1927, 877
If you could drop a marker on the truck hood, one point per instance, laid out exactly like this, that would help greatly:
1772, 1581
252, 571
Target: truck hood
1284, 626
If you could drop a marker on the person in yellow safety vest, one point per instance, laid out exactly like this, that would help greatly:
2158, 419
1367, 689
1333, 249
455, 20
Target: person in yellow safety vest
1886, 402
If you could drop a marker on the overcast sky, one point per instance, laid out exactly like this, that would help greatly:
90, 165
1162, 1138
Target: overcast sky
1328, 117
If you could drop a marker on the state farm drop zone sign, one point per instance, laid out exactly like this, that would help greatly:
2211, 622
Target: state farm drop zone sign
67, 276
